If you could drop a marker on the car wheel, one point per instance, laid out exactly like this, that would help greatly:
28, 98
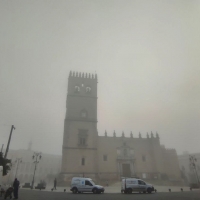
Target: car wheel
74, 190
95, 191
149, 190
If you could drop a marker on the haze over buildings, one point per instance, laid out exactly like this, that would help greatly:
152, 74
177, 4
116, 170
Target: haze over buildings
146, 55
105, 158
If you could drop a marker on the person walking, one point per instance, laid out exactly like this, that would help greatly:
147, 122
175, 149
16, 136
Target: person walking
16, 188
55, 183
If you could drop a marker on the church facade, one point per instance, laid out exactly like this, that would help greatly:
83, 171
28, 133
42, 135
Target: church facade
85, 153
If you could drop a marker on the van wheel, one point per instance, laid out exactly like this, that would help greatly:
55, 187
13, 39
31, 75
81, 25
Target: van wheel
74, 190
149, 190
94, 191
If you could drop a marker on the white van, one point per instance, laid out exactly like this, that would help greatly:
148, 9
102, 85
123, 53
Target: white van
81, 184
129, 185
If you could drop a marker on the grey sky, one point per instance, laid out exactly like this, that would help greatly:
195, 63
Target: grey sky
146, 55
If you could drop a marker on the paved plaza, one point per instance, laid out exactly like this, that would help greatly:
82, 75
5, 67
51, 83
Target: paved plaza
29, 194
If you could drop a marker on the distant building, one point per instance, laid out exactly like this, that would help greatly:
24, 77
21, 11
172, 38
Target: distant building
85, 153
187, 170
47, 169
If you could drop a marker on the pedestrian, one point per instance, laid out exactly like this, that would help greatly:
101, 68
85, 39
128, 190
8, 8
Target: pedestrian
16, 188
55, 183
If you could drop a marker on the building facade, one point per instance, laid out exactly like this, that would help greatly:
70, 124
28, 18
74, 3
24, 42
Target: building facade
85, 153
47, 170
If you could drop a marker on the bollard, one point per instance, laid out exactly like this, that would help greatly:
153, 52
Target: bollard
181, 189
169, 190
190, 189
52, 189
64, 190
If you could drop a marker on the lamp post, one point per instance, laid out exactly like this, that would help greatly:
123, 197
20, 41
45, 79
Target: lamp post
36, 157
193, 161
17, 161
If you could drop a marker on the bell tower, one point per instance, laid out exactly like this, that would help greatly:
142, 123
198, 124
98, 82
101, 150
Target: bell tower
79, 151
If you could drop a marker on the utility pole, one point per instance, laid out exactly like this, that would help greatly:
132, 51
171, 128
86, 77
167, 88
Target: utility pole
36, 157
12, 127
18, 161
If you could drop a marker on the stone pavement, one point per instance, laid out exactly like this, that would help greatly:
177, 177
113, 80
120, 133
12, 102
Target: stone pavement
25, 194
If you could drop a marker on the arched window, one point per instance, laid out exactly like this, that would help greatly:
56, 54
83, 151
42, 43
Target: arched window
83, 161
88, 89
77, 89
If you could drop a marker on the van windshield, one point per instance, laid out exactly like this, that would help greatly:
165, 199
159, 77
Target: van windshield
92, 182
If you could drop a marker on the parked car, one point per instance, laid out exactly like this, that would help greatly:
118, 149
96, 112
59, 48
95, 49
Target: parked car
40, 186
26, 185
81, 184
194, 185
129, 185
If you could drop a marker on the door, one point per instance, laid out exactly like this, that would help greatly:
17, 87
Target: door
126, 169
142, 186
81, 186
88, 186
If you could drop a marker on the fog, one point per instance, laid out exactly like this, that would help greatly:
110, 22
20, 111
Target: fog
146, 55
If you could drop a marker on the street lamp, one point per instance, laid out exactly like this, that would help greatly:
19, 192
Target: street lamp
193, 160
36, 157
17, 161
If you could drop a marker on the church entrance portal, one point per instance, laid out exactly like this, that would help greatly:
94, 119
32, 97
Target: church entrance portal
126, 170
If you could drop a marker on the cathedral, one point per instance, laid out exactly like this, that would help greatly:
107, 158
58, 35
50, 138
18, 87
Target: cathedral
85, 153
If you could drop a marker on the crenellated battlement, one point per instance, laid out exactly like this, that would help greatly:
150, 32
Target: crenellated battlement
151, 136
82, 75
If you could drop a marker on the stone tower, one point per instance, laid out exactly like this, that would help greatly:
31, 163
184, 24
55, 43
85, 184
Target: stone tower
79, 151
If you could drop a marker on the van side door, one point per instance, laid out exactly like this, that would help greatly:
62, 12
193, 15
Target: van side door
81, 186
135, 186
142, 185
88, 186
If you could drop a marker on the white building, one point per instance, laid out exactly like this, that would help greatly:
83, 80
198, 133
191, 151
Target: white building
47, 169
